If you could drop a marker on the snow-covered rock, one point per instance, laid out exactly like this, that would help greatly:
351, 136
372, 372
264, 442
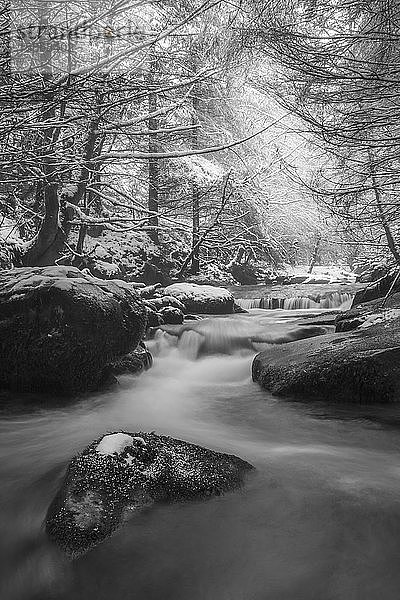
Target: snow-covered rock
321, 274
115, 443
105, 270
122, 473
205, 299
62, 328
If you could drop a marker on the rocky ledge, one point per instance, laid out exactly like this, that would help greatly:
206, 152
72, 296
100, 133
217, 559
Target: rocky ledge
360, 362
122, 473
60, 329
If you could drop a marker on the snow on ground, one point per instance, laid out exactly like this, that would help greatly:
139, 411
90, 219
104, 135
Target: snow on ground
9, 230
333, 274
375, 318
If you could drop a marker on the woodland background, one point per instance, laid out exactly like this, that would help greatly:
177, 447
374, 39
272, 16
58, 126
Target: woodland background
150, 140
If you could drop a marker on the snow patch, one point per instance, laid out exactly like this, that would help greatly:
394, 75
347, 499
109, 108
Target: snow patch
332, 274
115, 443
69, 190
202, 169
376, 318
9, 230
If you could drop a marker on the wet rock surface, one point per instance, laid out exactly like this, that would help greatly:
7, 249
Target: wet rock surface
123, 473
134, 363
171, 315
61, 328
361, 366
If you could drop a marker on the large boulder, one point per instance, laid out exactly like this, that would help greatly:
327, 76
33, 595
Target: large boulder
122, 473
203, 299
60, 328
361, 366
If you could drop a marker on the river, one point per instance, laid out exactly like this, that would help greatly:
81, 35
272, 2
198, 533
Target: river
318, 520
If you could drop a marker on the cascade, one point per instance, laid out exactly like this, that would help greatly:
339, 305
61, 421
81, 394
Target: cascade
189, 344
248, 303
340, 300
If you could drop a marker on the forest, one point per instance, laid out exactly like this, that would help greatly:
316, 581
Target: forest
199, 299
153, 140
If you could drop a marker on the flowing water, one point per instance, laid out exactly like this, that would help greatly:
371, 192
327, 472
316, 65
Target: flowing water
340, 300
318, 520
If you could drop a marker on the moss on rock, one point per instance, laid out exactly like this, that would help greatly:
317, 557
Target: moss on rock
60, 328
122, 473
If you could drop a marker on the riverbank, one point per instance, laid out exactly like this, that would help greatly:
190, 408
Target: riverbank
358, 363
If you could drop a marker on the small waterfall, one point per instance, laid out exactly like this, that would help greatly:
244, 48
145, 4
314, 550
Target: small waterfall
272, 303
248, 303
240, 335
162, 343
189, 344
340, 300
337, 300
300, 303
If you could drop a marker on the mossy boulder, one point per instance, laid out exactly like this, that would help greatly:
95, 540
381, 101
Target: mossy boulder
61, 328
122, 473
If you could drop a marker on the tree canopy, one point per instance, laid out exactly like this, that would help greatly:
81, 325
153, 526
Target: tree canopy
220, 130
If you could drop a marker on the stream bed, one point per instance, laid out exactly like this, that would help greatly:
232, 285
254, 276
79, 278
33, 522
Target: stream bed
319, 519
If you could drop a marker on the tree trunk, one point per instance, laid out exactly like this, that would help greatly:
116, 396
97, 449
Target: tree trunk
153, 204
314, 257
381, 211
47, 245
195, 266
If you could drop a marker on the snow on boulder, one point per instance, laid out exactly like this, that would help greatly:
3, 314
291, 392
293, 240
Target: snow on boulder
115, 443
120, 474
105, 270
61, 328
205, 299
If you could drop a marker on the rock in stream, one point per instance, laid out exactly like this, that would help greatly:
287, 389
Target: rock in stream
61, 328
122, 473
